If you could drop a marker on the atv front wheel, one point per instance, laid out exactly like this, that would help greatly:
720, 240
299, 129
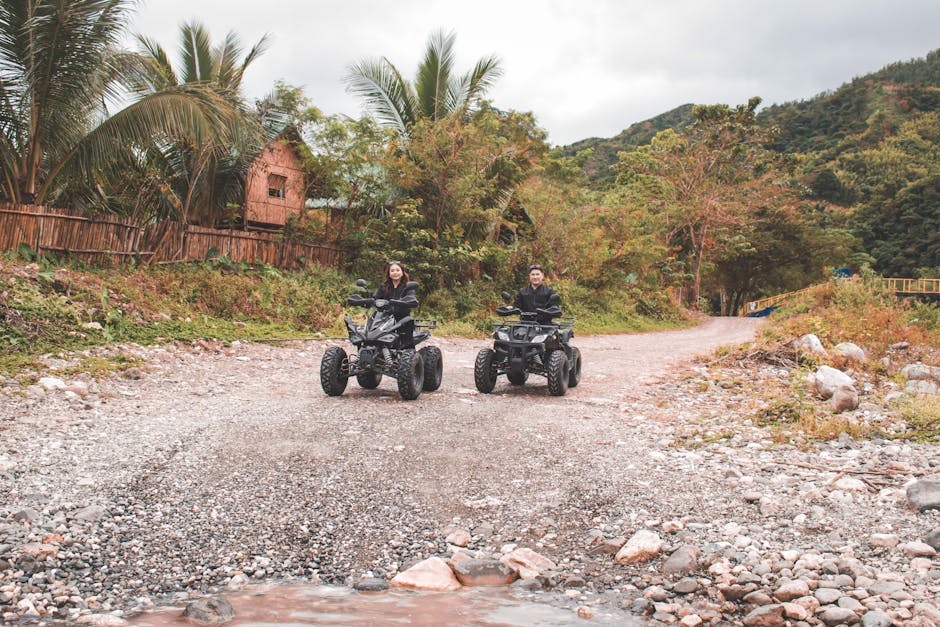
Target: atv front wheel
334, 371
433, 367
410, 374
558, 373
574, 371
484, 374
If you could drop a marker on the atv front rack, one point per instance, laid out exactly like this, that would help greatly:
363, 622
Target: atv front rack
425, 323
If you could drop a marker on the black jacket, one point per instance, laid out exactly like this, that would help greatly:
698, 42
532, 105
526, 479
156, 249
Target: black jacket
396, 293
528, 299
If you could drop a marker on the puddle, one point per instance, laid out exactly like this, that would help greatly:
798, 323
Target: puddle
302, 606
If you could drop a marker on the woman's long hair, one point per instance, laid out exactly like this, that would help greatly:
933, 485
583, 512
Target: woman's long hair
387, 285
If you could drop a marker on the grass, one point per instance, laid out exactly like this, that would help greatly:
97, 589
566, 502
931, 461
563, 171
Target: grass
48, 308
845, 312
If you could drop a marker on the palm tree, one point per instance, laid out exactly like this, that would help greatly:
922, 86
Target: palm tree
437, 91
205, 175
57, 69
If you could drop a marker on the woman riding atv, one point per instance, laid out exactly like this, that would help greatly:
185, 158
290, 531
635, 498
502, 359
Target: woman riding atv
395, 287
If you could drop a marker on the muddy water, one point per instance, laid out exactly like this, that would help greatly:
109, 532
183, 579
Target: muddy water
301, 606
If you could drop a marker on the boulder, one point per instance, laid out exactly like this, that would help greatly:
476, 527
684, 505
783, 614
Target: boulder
843, 399
766, 616
432, 574
829, 379
918, 372
642, 547
529, 563
833, 616
922, 386
683, 560
811, 344
790, 590
484, 572
924, 494
850, 351
209, 611
876, 618
933, 539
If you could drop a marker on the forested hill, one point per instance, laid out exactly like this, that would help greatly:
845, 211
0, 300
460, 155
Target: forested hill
860, 113
857, 115
598, 165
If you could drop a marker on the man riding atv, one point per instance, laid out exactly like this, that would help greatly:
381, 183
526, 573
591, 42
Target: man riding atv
536, 295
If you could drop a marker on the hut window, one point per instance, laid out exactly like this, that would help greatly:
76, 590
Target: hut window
276, 185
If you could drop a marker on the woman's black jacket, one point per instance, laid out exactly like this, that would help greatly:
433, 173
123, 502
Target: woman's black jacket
390, 292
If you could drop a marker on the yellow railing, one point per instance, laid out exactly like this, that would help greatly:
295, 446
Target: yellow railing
896, 285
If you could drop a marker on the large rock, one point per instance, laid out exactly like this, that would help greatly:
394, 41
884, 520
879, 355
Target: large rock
924, 494
920, 372
527, 562
876, 618
642, 547
933, 539
850, 351
829, 379
683, 560
208, 611
484, 572
844, 399
790, 590
915, 387
810, 343
833, 616
432, 574
766, 616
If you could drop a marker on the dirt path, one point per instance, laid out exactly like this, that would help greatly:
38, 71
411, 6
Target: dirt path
227, 460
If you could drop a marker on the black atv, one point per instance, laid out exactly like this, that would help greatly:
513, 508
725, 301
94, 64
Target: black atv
535, 344
381, 350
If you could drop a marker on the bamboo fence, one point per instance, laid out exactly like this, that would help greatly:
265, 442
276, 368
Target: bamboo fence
65, 232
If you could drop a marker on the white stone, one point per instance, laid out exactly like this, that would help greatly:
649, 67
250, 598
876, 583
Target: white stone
884, 539
918, 549
811, 343
51, 383
529, 563
432, 574
642, 547
850, 351
829, 379
851, 484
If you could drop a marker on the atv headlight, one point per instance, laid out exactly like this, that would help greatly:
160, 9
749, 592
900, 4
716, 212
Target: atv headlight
538, 339
502, 335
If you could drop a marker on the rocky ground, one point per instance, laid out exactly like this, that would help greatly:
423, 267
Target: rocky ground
650, 486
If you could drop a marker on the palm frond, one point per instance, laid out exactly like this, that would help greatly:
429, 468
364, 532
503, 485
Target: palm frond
257, 50
432, 83
475, 83
385, 92
196, 53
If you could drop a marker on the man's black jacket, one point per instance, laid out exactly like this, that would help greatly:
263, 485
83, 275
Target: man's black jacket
528, 299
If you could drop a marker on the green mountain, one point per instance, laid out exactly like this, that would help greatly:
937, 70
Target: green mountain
857, 115
598, 166
860, 113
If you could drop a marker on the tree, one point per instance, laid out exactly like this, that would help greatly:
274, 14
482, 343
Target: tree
205, 176
703, 181
437, 92
57, 68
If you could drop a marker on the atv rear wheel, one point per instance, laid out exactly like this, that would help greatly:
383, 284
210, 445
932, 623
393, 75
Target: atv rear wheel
558, 373
410, 374
369, 380
484, 374
433, 367
574, 371
518, 378
334, 371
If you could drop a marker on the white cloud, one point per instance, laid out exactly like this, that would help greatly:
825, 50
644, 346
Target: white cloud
584, 67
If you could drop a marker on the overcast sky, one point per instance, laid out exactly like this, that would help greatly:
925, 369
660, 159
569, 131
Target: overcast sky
585, 68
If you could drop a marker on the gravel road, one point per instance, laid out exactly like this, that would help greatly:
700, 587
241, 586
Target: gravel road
211, 462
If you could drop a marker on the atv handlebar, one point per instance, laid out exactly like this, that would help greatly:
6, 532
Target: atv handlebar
380, 303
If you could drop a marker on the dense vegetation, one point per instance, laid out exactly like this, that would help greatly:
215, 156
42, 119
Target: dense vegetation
713, 205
